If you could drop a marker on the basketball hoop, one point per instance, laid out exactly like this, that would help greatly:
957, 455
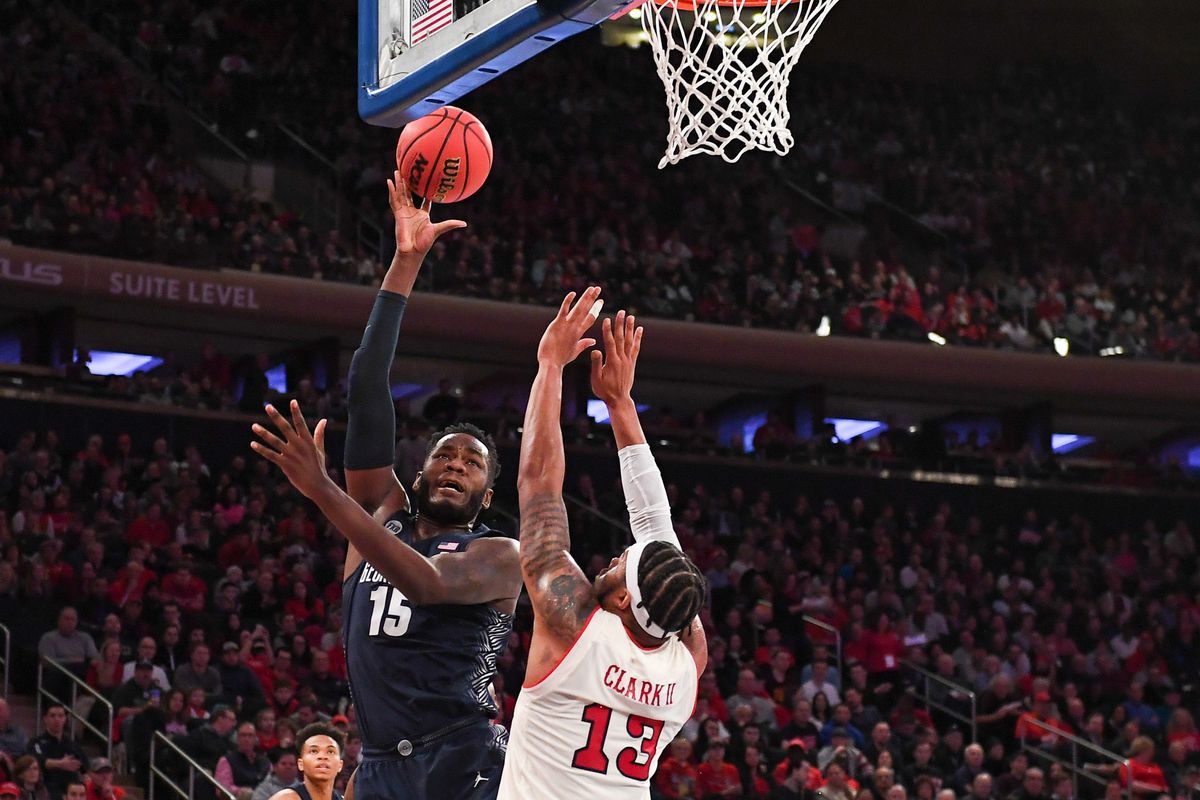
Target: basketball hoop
725, 65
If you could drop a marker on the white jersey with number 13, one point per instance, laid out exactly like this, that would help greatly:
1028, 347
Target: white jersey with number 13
597, 724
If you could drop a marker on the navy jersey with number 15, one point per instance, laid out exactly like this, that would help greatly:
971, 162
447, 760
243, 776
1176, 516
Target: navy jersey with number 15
416, 669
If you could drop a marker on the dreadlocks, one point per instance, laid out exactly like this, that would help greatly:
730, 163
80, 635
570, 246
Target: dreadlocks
493, 455
672, 587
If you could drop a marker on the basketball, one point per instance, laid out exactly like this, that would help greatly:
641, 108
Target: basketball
445, 156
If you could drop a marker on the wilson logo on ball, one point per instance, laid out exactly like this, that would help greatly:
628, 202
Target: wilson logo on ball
449, 178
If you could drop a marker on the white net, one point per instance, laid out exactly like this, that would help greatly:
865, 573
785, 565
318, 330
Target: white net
725, 65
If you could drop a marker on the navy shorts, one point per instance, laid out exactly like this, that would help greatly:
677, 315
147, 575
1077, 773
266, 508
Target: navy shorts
466, 765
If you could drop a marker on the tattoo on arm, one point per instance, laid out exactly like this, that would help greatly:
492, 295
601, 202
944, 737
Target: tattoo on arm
562, 597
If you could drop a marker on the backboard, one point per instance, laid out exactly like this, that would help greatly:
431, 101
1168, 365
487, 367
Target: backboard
416, 55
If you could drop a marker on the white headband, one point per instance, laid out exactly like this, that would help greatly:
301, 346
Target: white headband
632, 558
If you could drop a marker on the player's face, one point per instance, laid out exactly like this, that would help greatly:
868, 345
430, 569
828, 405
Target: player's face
320, 760
610, 584
453, 486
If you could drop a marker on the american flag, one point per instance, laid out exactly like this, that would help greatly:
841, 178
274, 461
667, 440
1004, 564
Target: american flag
448, 546
429, 17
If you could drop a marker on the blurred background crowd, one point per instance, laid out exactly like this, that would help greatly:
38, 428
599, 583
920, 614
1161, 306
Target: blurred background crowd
871, 641
1043, 207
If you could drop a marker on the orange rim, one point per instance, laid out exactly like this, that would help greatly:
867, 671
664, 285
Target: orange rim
690, 5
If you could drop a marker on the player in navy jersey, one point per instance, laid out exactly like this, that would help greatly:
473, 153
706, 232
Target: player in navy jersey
319, 758
428, 593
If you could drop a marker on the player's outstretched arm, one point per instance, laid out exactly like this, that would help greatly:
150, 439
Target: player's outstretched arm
612, 381
562, 597
371, 430
645, 494
481, 575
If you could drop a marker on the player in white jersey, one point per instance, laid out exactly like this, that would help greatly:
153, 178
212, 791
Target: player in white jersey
613, 665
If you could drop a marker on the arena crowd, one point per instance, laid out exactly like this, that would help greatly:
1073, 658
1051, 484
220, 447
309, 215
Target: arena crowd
1082, 230
203, 600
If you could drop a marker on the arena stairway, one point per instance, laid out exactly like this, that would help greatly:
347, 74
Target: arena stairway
23, 710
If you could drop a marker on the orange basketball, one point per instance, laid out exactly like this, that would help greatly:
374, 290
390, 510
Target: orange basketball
445, 156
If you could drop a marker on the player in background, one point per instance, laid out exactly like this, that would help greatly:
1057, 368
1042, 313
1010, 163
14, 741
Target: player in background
613, 665
428, 593
319, 750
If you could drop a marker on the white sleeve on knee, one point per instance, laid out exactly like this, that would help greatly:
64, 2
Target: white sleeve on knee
646, 496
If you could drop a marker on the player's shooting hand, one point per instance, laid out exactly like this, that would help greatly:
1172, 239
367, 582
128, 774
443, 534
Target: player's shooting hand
612, 371
415, 233
298, 453
563, 340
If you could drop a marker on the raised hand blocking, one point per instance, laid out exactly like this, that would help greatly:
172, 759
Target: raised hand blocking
564, 338
613, 370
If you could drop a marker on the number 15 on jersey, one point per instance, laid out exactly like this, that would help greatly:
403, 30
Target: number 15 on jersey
390, 612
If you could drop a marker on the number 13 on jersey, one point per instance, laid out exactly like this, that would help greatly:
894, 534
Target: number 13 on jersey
631, 763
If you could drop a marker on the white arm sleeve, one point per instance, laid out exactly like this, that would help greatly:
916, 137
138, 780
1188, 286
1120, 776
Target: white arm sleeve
646, 496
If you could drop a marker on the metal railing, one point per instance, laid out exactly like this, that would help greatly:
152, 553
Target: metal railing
818, 202
837, 639
911, 219
1057, 746
940, 693
495, 511
7, 660
311, 184
620, 534
161, 744
76, 684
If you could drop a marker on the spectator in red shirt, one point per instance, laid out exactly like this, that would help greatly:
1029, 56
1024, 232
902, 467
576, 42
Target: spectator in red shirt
1043, 712
754, 774
298, 527
1182, 728
100, 781
793, 782
883, 647
854, 647
1147, 777
303, 606
716, 777
710, 692
60, 573
676, 776
214, 366
131, 583
794, 760
184, 588
283, 698
261, 663
773, 437
240, 550
837, 786
149, 527
264, 726
106, 670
